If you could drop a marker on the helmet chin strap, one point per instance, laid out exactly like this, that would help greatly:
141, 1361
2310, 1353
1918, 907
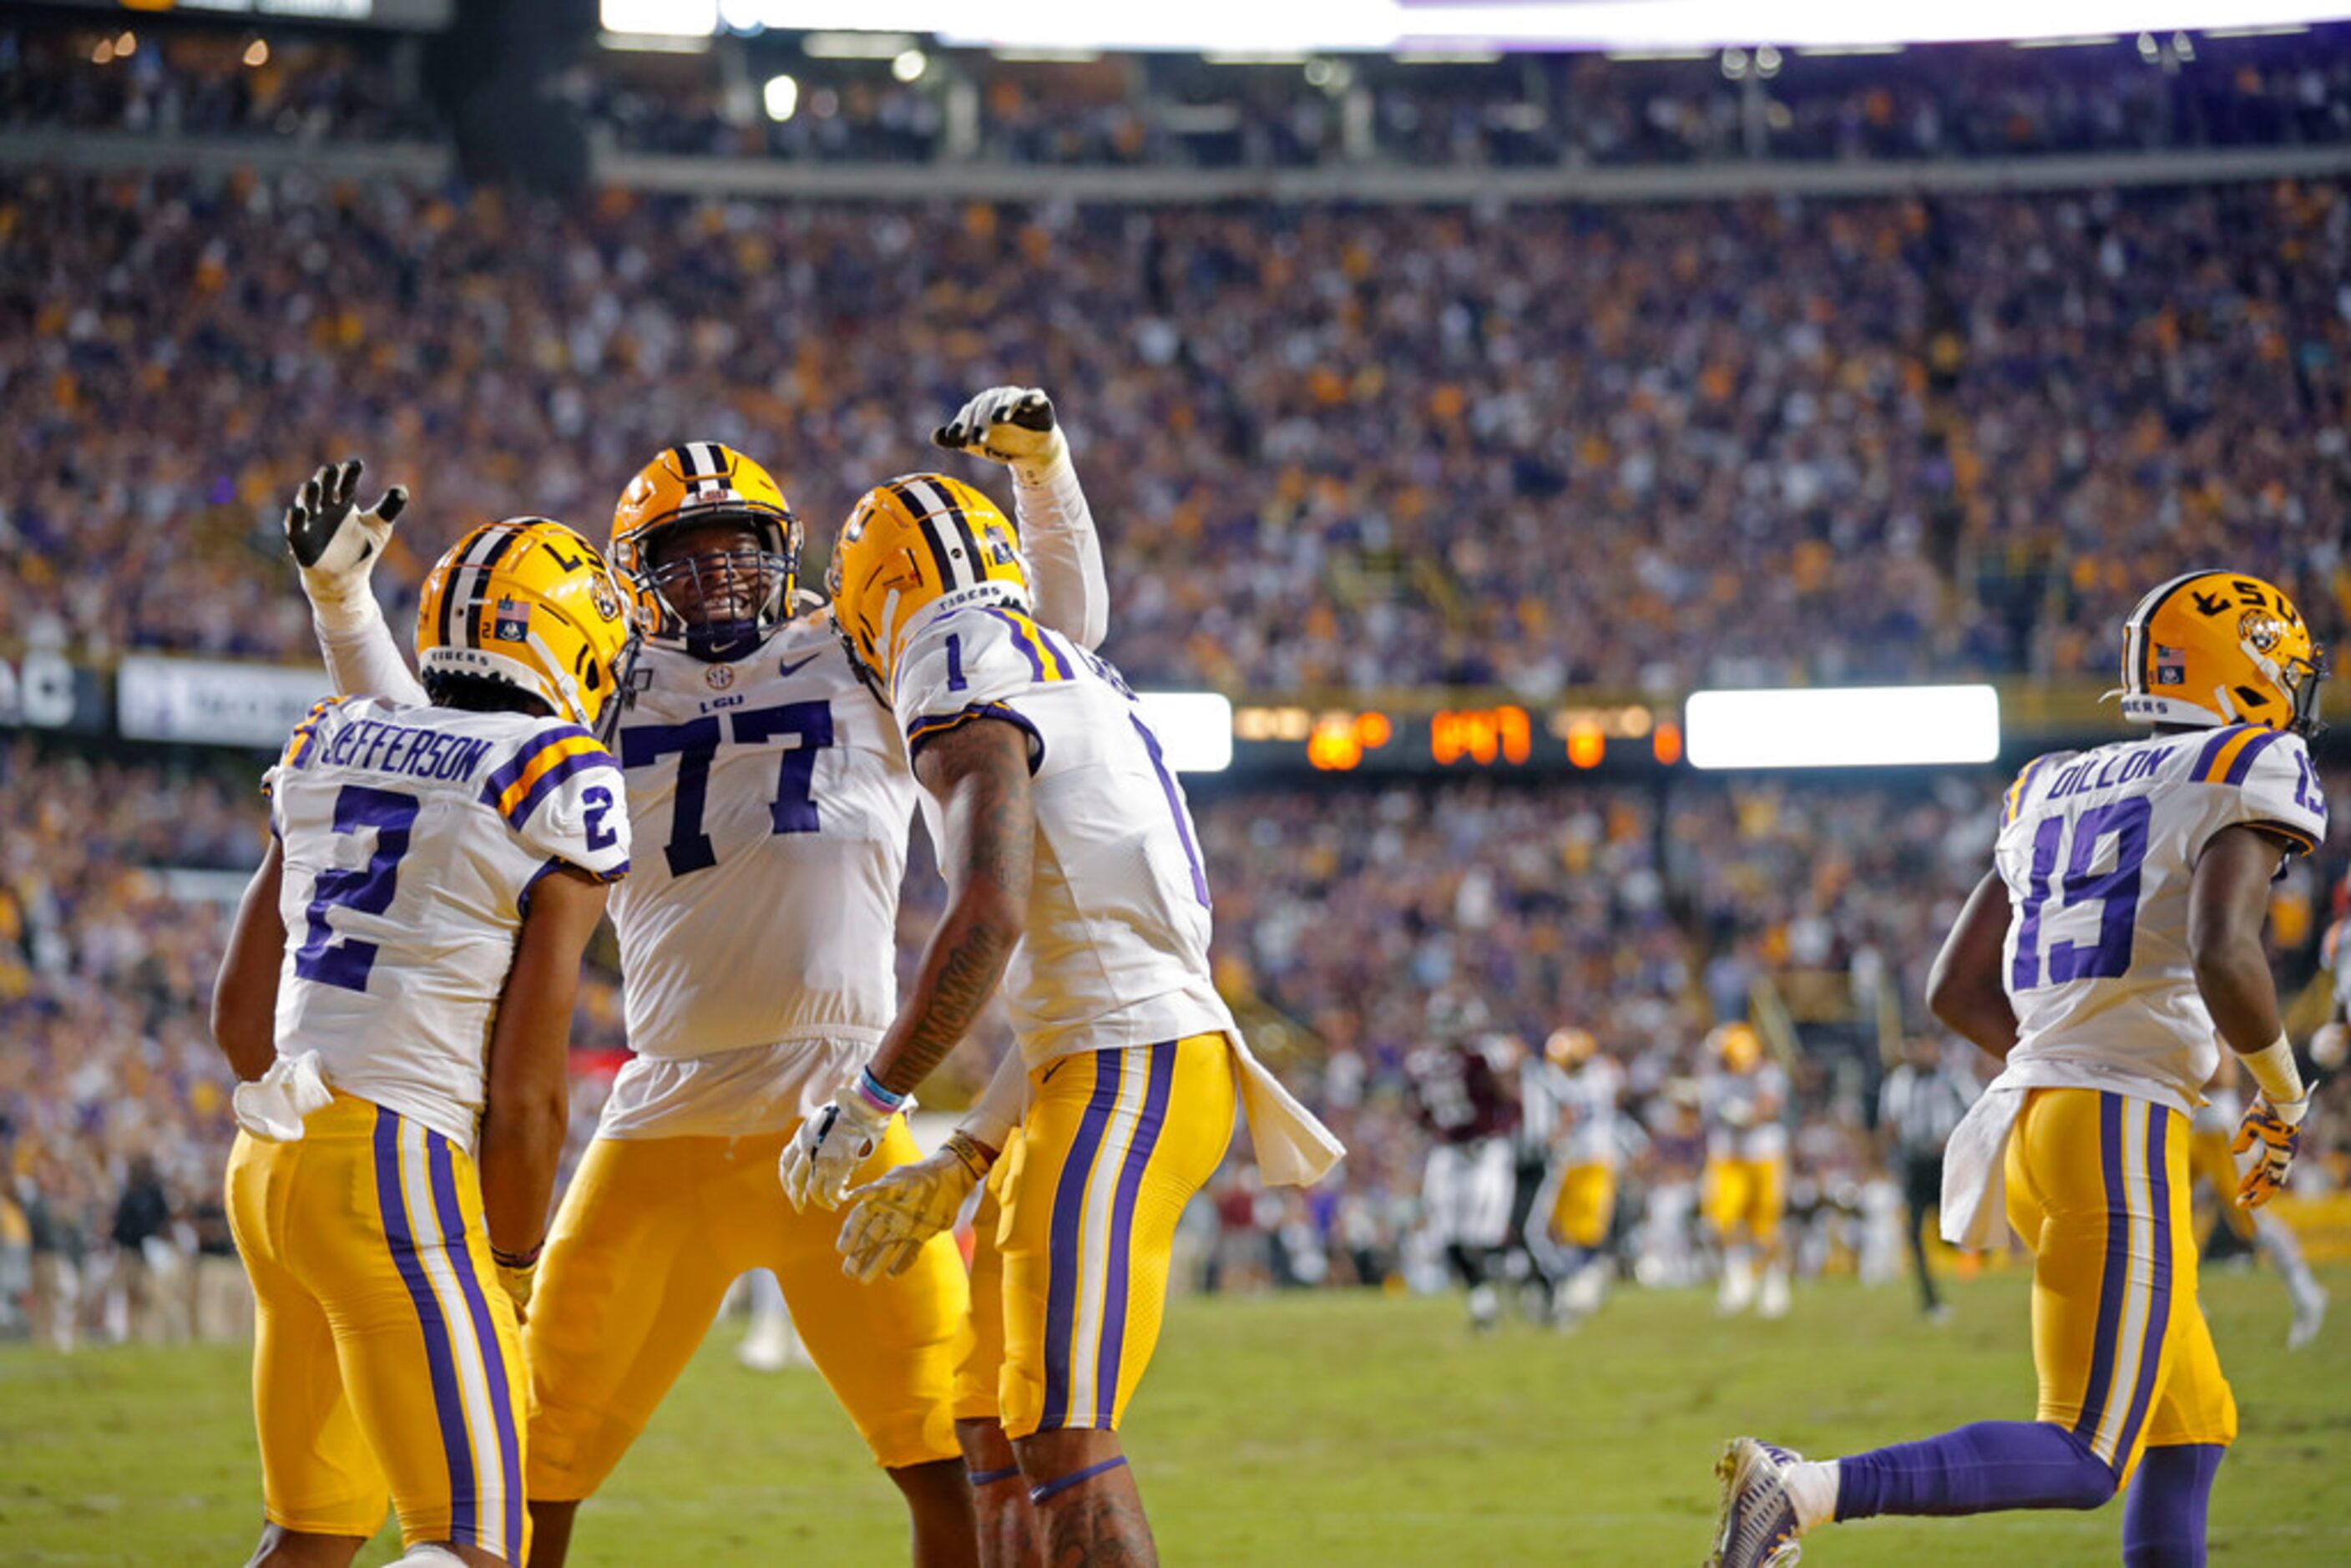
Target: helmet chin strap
2227, 704
552, 669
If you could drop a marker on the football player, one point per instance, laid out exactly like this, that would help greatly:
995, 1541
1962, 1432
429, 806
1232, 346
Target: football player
1744, 1101
2120, 928
397, 997
1070, 857
1463, 1097
757, 957
1578, 1203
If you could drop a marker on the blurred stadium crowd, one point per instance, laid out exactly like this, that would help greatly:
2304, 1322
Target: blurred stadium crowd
1525, 111
1360, 919
1621, 448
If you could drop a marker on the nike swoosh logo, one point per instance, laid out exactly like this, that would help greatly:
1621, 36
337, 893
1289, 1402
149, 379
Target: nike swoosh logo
1051, 1071
788, 667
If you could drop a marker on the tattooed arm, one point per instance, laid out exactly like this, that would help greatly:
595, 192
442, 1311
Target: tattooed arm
978, 772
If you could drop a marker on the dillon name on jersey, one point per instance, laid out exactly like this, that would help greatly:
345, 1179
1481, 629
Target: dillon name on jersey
1116, 950
2098, 850
411, 837
770, 802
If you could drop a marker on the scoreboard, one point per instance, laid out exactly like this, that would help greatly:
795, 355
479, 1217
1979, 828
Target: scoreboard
1500, 738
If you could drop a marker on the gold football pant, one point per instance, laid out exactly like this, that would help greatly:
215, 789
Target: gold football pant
1112, 1146
385, 1356
2097, 1186
1749, 1192
1584, 1204
651, 1234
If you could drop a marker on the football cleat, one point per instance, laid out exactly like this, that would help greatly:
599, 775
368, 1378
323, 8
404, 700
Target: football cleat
1757, 1525
2217, 647
1776, 1300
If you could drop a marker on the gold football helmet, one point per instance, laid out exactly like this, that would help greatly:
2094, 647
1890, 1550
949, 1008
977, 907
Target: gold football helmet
2217, 647
1736, 1046
716, 604
529, 604
1570, 1047
914, 546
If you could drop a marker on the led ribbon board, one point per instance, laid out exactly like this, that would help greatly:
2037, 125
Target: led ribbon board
1853, 726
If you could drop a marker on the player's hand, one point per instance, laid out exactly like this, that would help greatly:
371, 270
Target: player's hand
1011, 425
2271, 1133
825, 1154
335, 543
898, 1212
517, 1275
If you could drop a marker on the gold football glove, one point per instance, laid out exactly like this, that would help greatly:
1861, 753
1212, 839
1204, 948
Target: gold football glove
1011, 425
2271, 1133
517, 1272
898, 1213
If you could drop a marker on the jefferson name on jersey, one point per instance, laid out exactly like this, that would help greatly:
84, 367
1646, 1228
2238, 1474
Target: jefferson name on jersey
2098, 850
411, 837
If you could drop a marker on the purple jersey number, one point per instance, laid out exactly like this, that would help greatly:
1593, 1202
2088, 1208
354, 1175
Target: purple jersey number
349, 962
2113, 890
696, 745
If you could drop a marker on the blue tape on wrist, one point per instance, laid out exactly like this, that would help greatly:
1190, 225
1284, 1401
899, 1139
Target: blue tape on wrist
989, 1477
870, 1088
1055, 1488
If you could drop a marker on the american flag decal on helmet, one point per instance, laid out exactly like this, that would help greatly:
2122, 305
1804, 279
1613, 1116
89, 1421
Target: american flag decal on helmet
2170, 666
510, 621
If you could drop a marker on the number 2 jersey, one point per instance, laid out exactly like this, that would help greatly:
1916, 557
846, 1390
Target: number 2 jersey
2098, 850
411, 837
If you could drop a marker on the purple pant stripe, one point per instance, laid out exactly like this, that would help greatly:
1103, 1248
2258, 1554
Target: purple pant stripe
1069, 1217
1122, 1229
485, 1334
2158, 1304
439, 1356
2116, 1272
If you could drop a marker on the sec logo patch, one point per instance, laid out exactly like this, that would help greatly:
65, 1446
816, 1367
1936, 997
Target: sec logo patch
719, 676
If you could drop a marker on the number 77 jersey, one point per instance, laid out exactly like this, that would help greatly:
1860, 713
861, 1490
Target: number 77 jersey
2098, 850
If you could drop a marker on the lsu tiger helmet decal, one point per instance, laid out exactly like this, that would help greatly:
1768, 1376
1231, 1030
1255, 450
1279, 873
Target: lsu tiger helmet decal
722, 601
1736, 1046
915, 546
2218, 647
530, 603
1570, 1048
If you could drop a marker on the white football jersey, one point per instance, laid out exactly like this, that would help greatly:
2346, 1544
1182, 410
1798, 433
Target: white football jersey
771, 802
2098, 850
1738, 1126
412, 836
1588, 1099
1116, 951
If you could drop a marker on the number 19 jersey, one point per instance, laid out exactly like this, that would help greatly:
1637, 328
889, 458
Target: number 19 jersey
411, 837
2098, 850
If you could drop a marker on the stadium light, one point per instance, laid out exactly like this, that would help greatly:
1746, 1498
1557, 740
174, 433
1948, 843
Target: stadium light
1194, 728
782, 97
1853, 726
910, 65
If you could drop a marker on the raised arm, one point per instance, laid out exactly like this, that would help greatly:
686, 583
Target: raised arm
336, 545
1017, 426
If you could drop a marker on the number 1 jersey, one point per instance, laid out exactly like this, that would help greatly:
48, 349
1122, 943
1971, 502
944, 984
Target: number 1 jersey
2098, 850
411, 837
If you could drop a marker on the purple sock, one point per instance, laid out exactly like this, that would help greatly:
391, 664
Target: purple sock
2163, 1512
1987, 1468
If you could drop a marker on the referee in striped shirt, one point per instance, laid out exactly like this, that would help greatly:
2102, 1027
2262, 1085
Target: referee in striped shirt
1918, 1106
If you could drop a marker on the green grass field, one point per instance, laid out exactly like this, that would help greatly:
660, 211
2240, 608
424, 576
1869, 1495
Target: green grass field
1322, 1428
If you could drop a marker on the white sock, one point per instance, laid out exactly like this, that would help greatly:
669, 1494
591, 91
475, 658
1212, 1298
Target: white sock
1811, 1486
2277, 1242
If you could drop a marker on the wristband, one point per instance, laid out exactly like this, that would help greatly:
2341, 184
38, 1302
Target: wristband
2280, 1081
973, 1155
870, 1089
519, 1260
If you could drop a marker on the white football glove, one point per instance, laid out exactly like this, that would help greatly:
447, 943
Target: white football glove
2271, 1133
824, 1155
334, 542
1011, 425
898, 1213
